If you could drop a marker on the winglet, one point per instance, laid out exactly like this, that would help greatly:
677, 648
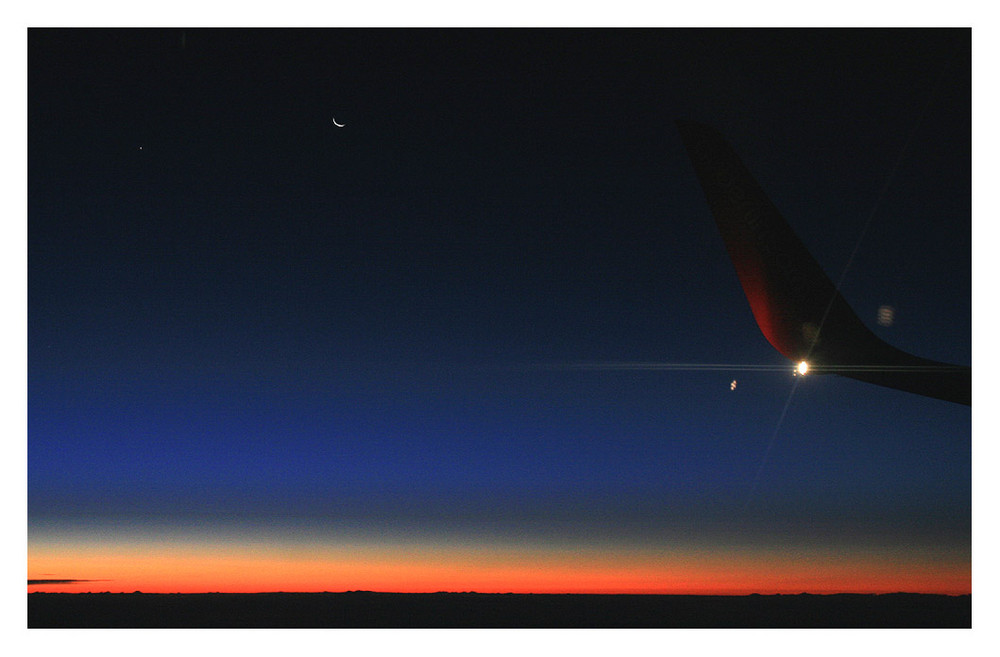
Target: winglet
795, 304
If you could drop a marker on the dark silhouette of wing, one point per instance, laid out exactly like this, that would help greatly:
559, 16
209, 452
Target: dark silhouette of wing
797, 307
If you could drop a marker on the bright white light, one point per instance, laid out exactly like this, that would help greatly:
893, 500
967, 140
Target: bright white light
802, 368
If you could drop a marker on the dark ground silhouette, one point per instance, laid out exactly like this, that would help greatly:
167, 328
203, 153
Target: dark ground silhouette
448, 610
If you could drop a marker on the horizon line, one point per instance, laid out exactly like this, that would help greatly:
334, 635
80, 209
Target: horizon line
443, 592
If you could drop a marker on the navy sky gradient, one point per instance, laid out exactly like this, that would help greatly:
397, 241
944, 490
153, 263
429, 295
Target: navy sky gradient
243, 318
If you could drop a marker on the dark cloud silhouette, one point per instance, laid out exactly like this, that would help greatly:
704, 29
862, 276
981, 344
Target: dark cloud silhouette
61, 581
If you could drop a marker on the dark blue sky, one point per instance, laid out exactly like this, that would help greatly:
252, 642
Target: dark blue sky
238, 311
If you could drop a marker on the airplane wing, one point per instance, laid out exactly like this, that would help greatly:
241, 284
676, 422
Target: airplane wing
796, 305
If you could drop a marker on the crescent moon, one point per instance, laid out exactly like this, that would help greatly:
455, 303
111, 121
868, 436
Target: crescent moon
339, 125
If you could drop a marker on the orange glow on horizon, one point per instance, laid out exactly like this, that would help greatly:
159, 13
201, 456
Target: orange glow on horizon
192, 570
